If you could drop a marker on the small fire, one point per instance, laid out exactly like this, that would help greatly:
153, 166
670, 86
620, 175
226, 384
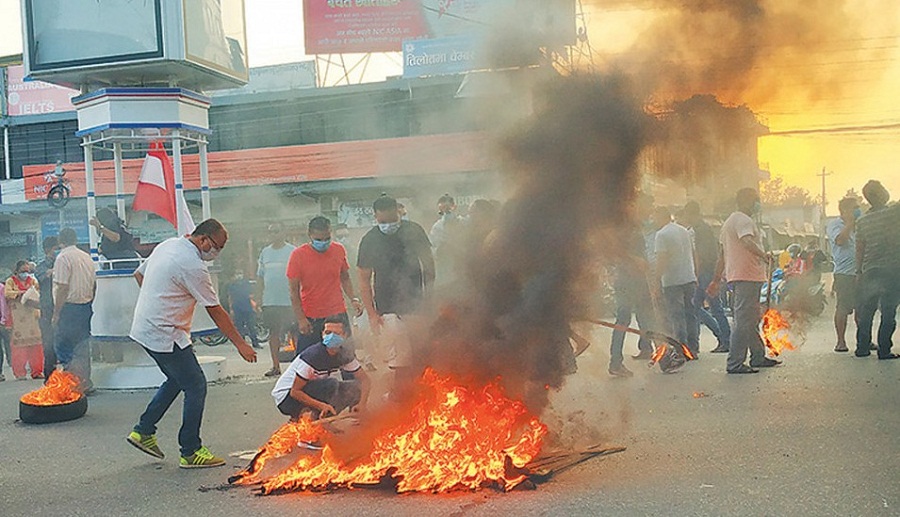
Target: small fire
776, 332
454, 438
658, 354
290, 346
687, 352
61, 388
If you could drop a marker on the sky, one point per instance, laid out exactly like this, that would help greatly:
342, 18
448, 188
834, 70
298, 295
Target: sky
835, 65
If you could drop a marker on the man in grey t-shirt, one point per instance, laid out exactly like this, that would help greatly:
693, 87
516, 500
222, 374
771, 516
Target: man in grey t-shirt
675, 270
276, 299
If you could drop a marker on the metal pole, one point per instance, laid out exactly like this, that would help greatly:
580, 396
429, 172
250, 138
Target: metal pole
179, 179
91, 197
120, 180
7, 167
204, 182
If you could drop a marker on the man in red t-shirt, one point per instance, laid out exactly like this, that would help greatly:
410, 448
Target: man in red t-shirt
316, 273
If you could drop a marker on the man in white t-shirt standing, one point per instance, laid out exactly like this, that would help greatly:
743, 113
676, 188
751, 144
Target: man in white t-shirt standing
743, 261
173, 280
676, 274
277, 313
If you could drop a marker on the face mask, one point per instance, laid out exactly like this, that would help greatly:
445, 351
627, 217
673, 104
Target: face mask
857, 213
404, 218
238, 277
757, 206
447, 216
22, 276
212, 254
342, 238
389, 228
321, 246
332, 340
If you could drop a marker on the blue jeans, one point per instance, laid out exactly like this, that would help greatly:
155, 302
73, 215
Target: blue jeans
245, 322
73, 340
681, 315
631, 299
714, 319
183, 373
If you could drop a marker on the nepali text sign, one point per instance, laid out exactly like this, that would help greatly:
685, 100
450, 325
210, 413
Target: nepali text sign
35, 97
442, 56
75, 219
346, 26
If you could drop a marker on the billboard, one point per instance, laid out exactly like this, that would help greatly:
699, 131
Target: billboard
439, 56
359, 26
35, 97
106, 31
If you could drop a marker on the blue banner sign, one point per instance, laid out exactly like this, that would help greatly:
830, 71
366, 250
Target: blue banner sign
439, 56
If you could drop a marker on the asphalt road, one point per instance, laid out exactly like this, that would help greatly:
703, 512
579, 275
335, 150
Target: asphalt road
816, 436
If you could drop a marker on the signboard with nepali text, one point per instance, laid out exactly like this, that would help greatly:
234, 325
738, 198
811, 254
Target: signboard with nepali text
440, 56
362, 26
35, 97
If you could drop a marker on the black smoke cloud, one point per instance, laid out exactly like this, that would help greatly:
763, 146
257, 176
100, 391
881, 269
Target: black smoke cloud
571, 167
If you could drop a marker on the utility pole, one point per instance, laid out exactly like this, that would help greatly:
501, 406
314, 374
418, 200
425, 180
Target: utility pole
822, 175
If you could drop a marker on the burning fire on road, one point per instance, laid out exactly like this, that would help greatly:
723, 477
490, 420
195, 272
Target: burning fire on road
776, 332
57, 401
454, 438
61, 388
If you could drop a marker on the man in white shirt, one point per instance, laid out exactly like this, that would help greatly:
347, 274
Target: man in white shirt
173, 280
743, 262
74, 286
676, 274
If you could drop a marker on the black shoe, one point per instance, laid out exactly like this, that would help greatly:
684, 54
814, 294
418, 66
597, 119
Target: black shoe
862, 353
765, 363
743, 369
889, 356
719, 350
642, 356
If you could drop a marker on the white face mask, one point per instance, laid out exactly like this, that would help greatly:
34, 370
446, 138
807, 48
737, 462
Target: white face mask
389, 228
211, 255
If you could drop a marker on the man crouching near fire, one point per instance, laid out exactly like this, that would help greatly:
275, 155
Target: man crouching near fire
307, 384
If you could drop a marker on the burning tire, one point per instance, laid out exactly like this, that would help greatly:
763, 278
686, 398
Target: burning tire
48, 414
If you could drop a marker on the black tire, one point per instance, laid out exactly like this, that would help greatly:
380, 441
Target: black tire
214, 339
31, 414
58, 196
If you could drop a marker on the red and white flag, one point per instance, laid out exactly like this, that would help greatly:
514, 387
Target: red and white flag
156, 191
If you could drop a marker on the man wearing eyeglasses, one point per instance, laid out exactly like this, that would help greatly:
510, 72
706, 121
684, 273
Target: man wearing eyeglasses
173, 280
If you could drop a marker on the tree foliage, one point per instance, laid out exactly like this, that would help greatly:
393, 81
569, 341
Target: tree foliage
776, 192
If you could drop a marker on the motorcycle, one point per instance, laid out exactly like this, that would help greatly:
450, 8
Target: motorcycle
799, 294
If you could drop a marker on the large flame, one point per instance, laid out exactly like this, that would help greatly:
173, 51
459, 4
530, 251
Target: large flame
454, 438
61, 388
776, 332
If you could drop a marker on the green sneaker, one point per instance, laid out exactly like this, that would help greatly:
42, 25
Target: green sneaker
201, 459
146, 443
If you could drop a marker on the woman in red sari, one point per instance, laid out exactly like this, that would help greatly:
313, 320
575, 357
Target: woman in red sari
25, 343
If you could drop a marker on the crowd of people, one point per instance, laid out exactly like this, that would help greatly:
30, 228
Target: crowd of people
46, 312
670, 275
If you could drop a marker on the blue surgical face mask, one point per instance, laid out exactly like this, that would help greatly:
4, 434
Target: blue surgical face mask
389, 228
447, 216
857, 213
321, 245
332, 340
23, 275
